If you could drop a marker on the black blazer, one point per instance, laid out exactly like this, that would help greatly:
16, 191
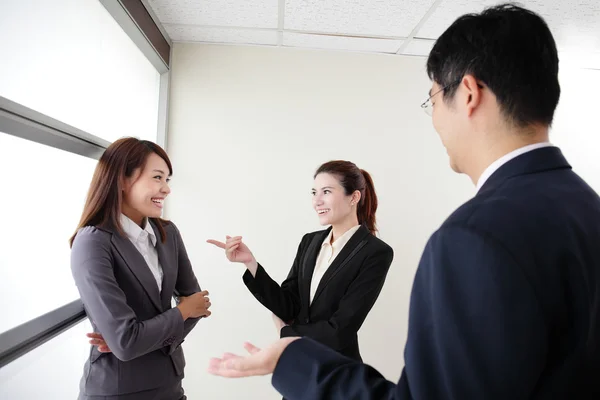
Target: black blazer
505, 302
344, 297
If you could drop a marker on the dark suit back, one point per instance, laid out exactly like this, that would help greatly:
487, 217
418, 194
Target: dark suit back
505, 303
525, 252
345, 295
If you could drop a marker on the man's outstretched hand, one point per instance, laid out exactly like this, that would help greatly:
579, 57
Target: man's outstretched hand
259, 362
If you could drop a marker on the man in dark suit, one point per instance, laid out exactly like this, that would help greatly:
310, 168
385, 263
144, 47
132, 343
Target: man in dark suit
506, 299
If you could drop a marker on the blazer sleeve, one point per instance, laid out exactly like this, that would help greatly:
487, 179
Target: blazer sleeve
186, 285
284, 300
340, 329
476, 331
106, 303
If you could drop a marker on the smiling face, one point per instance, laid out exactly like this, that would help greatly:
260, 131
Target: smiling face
146, 190
331, 202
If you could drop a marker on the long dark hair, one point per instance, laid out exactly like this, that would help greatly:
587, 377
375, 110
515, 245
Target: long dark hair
119, 161
353, 178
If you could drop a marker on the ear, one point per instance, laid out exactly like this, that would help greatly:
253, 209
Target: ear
473, 91
355, 197
126, 183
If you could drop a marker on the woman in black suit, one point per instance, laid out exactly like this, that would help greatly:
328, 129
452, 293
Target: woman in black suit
337, 274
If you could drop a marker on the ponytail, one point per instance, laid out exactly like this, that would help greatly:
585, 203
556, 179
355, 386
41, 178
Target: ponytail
368, 204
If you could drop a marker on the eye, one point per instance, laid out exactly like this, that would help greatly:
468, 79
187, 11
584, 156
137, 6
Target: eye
313, 193
326, 191
159, 177
168, 180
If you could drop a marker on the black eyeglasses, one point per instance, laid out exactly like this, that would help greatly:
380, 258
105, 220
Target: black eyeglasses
427, 105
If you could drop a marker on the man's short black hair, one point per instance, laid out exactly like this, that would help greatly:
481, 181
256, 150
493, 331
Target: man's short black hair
509, 49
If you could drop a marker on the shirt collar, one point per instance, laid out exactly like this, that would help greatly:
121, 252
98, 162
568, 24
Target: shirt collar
342, 240
133, 230
493, 167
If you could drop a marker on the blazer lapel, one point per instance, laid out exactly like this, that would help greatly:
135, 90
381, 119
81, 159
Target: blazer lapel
138, 266
169, 267
308, 264
354, 245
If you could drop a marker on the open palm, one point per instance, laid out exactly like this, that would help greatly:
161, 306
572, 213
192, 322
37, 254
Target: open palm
259, 362
235, 249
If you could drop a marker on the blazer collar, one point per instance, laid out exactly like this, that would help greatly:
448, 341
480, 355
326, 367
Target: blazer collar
309, 262
539, 160
138, 266
354, 245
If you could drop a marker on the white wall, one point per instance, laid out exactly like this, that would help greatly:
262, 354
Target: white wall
248, 127
575, 128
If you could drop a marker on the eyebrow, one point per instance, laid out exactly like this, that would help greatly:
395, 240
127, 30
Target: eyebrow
325, 187
161, 171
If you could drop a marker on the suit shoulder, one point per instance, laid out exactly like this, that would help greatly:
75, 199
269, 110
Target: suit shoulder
503, 215
91, 243
91, 234
479, 208
379, 245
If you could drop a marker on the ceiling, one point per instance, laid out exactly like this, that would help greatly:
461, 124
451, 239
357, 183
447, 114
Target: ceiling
403, 27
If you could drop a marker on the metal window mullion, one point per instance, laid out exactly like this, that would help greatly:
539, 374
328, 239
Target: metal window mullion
23, 122
22, 339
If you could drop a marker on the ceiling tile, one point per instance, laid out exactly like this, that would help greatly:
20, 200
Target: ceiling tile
418, 47
341, 43
394, 18
187, 33
575, 24
239, 13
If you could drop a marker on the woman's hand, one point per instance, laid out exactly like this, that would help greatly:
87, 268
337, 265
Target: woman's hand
97, 340
237, 251
195, 305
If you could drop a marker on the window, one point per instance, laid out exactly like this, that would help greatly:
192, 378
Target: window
44, 194
51, 371
70, 60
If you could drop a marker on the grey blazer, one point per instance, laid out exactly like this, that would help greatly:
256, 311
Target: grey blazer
123, 303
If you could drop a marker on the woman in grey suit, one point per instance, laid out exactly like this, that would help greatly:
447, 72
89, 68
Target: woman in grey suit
128, 264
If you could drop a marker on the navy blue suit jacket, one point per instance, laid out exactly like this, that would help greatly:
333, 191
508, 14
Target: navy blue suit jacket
505, 302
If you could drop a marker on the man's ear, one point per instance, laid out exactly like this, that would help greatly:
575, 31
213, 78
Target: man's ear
473, 91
